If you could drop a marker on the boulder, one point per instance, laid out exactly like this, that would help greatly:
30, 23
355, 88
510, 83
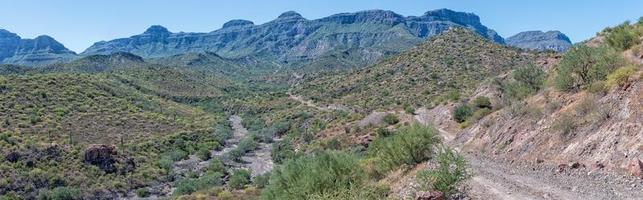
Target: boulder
102, 156
430, 195
635, 167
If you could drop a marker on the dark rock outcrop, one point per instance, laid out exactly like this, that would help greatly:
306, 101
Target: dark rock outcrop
540, 41
103, 156
369, 35
41, 50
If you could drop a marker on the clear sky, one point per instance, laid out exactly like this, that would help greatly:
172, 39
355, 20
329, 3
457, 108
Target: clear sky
79, 23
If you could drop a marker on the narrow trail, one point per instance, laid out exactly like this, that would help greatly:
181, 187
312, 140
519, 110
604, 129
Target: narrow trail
500, 179
258, 161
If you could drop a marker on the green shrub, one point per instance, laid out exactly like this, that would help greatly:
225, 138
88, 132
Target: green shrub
261, 181
391, 119
216, 165
620, 76
452, 169
453, 96
582, 65
482, 102
65, 193
598, 87
409, 109
462, 112
621, 37
480, 113
191, 185
281, 151
142, 193
411, 145
518, 90
204, 154
383, 132
177, 155
165, 163
316, 174
565, 124
239, 179
530, 75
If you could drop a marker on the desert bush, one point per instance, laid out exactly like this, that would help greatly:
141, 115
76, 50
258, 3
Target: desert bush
586, 105
190, 185
480, 113
411, 145
216, 165
482, 102
582, 65
261, 181
366, 192
598, 87
451, 170
620, 76
530, 75
64, 193
391, 119
281, 151
565, 124
239, 179
409, 109
165, 163
462, 112
142, 193
316, 174
621, 37
383, 132
204, 154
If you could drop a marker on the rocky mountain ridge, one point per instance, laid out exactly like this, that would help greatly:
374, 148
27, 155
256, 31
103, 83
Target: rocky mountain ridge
291, 37
41, 50
540, 41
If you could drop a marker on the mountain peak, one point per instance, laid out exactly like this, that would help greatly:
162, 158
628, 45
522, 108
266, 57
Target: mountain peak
289, 15
7, 34
458, 17
539, 40
237, 23
156, 30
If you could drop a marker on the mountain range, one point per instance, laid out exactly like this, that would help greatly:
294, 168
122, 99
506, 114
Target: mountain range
290, 39
538, 40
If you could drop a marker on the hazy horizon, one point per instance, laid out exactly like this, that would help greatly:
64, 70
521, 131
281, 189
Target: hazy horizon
78, 25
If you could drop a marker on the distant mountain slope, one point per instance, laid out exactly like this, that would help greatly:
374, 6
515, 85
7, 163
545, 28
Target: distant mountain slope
455, 61
538, 40
98, 63
39, 51
291, 37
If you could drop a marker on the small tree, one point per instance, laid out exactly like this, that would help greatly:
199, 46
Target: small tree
239, 178
482, 102
583, 65
391, 119
462, 112
531, 75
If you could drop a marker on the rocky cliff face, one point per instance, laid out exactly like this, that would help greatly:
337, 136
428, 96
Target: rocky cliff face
541, 41
39, 51
291, 37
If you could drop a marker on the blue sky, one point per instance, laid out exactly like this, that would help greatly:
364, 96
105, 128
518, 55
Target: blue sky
78, 24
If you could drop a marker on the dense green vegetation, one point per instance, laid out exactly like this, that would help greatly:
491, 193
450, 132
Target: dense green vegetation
439, 70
